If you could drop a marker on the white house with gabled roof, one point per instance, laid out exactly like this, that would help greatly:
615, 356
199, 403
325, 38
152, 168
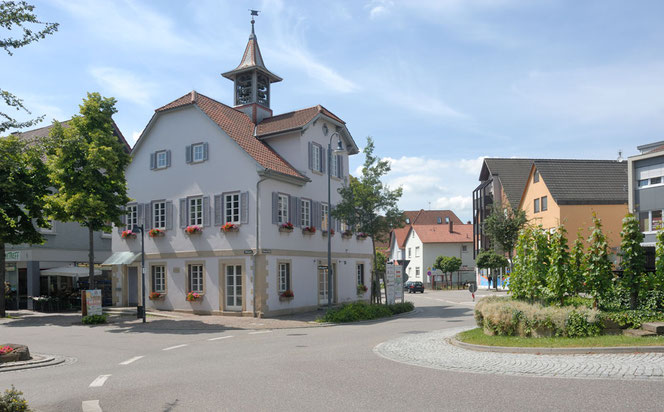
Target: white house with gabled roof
201, 166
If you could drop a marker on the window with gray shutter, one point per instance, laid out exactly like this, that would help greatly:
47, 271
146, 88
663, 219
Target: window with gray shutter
123, 220
275, 208
315, 215
188, 153
340, 166
218, 210
206, 211
311, 159
169, 215
205, 151
183, 213
168, 158
244, 205
292, 210
153, 160
323, 159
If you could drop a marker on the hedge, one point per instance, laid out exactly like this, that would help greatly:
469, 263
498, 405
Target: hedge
353, 312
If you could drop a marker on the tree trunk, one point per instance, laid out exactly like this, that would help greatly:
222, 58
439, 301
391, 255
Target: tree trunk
91, 259
2, 280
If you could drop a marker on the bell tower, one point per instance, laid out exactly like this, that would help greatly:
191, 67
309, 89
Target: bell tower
252, 80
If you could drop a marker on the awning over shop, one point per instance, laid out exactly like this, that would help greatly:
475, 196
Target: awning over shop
69, 271
121, 258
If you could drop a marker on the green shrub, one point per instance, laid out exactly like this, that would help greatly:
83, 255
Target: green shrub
507, 317
94, 319
356, 311
13, 401
632, 319
578, 302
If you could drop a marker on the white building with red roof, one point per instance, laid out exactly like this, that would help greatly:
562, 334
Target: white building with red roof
236, 199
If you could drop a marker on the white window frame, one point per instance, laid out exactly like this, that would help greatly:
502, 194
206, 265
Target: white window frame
333, 166
536, 205
417, 272
195, 274
284, 276
232, 207
159, 214
282, 209
544, 203
316, 151
323, 216
131, 219
51, 230
360, 273
410, 252
161, 159
158, 278
650, 227
195, 211
417, 251
305, 212
196, 152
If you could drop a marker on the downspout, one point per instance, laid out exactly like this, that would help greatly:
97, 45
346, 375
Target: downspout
257, 251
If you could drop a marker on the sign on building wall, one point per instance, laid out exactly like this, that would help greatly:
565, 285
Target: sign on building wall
93, 301
12, 256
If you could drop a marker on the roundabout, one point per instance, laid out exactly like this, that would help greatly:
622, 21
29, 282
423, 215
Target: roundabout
434, 350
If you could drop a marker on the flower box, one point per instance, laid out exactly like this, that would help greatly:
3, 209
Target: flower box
286, 296
362, 289
309, 230
361, 236
193, 230
230, 227
156, 232
157, 295
325, 232
128, 234
194, 297
346, 234
286, 227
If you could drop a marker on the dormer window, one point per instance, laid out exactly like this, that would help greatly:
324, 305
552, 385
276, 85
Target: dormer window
536, 177
408, 221
447, 219
440, 220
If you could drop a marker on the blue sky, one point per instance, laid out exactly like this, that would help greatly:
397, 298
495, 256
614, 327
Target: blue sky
438, 84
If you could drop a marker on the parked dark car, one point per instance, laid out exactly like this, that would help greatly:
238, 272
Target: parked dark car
414, 287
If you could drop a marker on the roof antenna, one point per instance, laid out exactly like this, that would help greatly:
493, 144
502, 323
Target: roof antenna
620, 158
429, 205
253, 13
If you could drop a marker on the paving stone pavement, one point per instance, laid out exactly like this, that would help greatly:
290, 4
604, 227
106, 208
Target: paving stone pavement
432, 350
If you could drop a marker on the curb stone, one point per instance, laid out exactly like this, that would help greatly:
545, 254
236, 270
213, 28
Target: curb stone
37, 361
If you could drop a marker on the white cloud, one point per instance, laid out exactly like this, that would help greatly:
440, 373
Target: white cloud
379, 8
632, 93
134, 137
123, 84
461, 205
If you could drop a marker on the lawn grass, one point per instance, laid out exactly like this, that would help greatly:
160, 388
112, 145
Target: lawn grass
476, 336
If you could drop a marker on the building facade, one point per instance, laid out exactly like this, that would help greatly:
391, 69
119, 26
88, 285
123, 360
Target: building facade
240, 200
646, 193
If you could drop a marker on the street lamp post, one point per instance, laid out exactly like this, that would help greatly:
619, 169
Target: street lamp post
142, 229
329, 208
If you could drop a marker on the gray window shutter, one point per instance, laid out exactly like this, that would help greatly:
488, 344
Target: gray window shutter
292, 205
139, 214
298, 212
153, 160
169, 214
340, 166
333, 221
244, 207
275, 206
323, 158
205, 151
218, 207
188, 153
168, 158
315, 215
183, 213
206, 210
311, 158
148, 215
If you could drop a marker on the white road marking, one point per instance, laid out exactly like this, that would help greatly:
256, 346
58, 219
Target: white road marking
134, 359
259, 331
221, 337
101, 379
91, 406
176, 346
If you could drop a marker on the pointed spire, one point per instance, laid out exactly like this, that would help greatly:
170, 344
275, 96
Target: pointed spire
252, 58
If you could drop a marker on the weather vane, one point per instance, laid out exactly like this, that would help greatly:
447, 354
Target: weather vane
253, 13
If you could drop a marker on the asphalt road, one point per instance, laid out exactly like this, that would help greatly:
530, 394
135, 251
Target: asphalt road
320, 368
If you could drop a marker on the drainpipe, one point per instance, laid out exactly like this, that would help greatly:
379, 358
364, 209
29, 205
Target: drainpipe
258, 202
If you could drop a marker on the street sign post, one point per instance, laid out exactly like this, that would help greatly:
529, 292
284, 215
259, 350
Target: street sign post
472, 288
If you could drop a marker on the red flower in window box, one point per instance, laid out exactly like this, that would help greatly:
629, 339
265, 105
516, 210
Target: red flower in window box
194, 296
156, 295
287, 294
156, 232
331, 232
362, 235
193, 230
361, 289
230, 227
347, 234
128, 234
286, 227
310, 230
5, 350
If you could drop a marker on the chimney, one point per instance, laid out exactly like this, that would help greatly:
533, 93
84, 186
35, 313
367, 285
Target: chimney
451, 226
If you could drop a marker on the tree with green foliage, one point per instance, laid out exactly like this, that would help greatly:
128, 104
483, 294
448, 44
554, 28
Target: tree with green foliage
19, 14
598, 275
447, 264
489, 259
503, 225
370, 207
659, 261
87, 168
23, 189
557, 279
576, 265
633, 259
381, 259
531, 264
